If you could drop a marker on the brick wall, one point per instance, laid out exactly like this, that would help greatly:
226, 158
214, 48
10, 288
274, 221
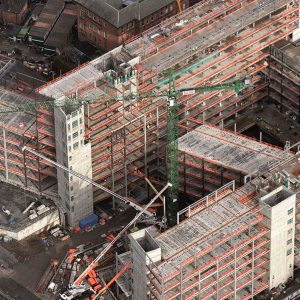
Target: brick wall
14, 18
105, 36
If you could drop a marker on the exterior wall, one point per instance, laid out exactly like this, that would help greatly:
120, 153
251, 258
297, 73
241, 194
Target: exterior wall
281, 221
102, 34
34, 227
15, 18
140, 259
75, 154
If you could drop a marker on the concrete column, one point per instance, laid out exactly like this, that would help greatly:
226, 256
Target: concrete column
252, 275
199, 286
234, 274
217, 279
145, 148
112, 169
125, 163
5, 153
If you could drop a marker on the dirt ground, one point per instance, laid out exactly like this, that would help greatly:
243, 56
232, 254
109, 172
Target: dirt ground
34, 258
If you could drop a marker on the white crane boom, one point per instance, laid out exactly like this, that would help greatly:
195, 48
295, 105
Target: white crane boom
85, 178
109, 246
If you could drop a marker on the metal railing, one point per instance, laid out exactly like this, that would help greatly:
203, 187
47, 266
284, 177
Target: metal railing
206, 201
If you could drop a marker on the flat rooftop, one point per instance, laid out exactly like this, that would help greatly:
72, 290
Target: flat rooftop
230, 150
278, 197
204, 229
15, 200
292, 52
18, 122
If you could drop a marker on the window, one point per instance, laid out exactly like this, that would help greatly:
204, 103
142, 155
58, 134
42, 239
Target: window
290, 221
104, 35
81, 26
70, 148
72, 198
75, 134
69, 127
75, 123
71, 178
290, 231
171, 7
289, 252
67, 206
93, 27
80, 120
71, 188
80, 131
290, 211
72, 208
69, 138
75, 146
74, 113
289, 241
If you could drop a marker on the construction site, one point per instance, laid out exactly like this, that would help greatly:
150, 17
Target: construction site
166, 118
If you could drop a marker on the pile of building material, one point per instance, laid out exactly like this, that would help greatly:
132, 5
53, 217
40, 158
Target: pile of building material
59, 233
75, 261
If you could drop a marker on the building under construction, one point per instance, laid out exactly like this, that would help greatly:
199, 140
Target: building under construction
238, 239
209, 43
231, 244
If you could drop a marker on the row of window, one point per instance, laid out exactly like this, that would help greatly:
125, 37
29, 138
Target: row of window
93, 28
74, 124
161, 13
85, 12
126, 27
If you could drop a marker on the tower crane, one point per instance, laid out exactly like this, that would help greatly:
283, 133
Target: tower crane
78, 287
172, 95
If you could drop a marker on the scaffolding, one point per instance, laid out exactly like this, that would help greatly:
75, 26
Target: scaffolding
218, 252
33, 129
284, 74
131, 135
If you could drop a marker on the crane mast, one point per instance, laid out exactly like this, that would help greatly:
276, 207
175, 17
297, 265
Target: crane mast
172, 95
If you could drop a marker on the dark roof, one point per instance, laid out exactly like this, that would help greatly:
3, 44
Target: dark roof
61, 30
46, 20
14, 6
121, 12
